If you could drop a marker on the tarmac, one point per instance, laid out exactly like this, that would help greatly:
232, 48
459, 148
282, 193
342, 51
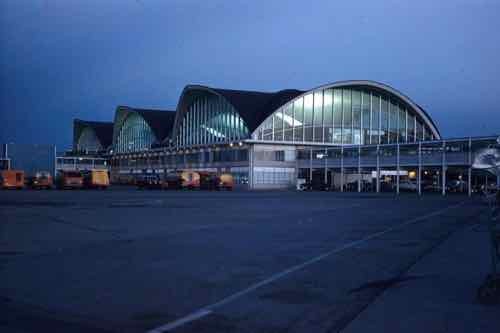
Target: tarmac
147, 261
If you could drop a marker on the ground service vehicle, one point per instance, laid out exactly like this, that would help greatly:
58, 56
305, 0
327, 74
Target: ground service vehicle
70, 180
226, 182
190, 180
41, 180
151, 182
11, 179
209, 181
173, 181
408, 185
96, 179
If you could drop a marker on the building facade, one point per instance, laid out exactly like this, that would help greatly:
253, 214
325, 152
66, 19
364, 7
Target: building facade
345, 135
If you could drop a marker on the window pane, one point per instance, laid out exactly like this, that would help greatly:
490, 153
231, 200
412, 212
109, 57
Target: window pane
337, 116
298, 109
308, 117
411, 128
328, 115
384, 121
308, 109
402, 125
347, 121
288, 122
278, 125
375, 131
318, 116
356, 116
268, 129
393, 122
365, 118
419, 131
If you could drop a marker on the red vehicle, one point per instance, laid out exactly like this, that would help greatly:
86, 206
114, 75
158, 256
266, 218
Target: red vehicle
41, 180
11, 179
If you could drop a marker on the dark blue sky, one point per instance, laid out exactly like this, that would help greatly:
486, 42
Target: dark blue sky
65, 59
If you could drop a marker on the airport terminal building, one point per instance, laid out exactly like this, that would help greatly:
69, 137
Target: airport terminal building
349, 135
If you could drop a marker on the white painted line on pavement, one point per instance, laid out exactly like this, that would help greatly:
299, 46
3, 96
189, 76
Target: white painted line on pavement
206, 310
179, 322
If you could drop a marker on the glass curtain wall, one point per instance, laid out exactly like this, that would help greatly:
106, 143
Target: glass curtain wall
88, 141
135, 135
344, 116
210, 119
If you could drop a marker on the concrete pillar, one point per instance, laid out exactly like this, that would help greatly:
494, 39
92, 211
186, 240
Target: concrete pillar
377, 184
310, 164
251, 162
419, 177
342, 169
326, 166
469, 181
359, 169
398, 168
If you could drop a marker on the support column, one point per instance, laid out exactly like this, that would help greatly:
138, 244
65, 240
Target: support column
342, 169
310, 165
398, 170
251, 155
377, 184
419, 178
359, 169
443, 170
325, 180
469, 181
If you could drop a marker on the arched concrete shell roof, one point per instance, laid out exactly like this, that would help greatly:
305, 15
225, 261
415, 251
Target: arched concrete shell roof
102, 130
252, 106
160, 121
384, 90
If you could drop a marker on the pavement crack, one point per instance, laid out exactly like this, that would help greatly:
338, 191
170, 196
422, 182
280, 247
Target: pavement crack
388, 283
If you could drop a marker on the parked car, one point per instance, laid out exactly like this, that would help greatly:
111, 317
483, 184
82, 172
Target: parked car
408, 185
190, 180
41, 180
150, 182
70, 180
209, 181
456, 186
96, 179
11, 179
173, 181
432, 187
225, 182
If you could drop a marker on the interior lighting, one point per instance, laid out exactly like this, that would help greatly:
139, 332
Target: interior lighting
289, 120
